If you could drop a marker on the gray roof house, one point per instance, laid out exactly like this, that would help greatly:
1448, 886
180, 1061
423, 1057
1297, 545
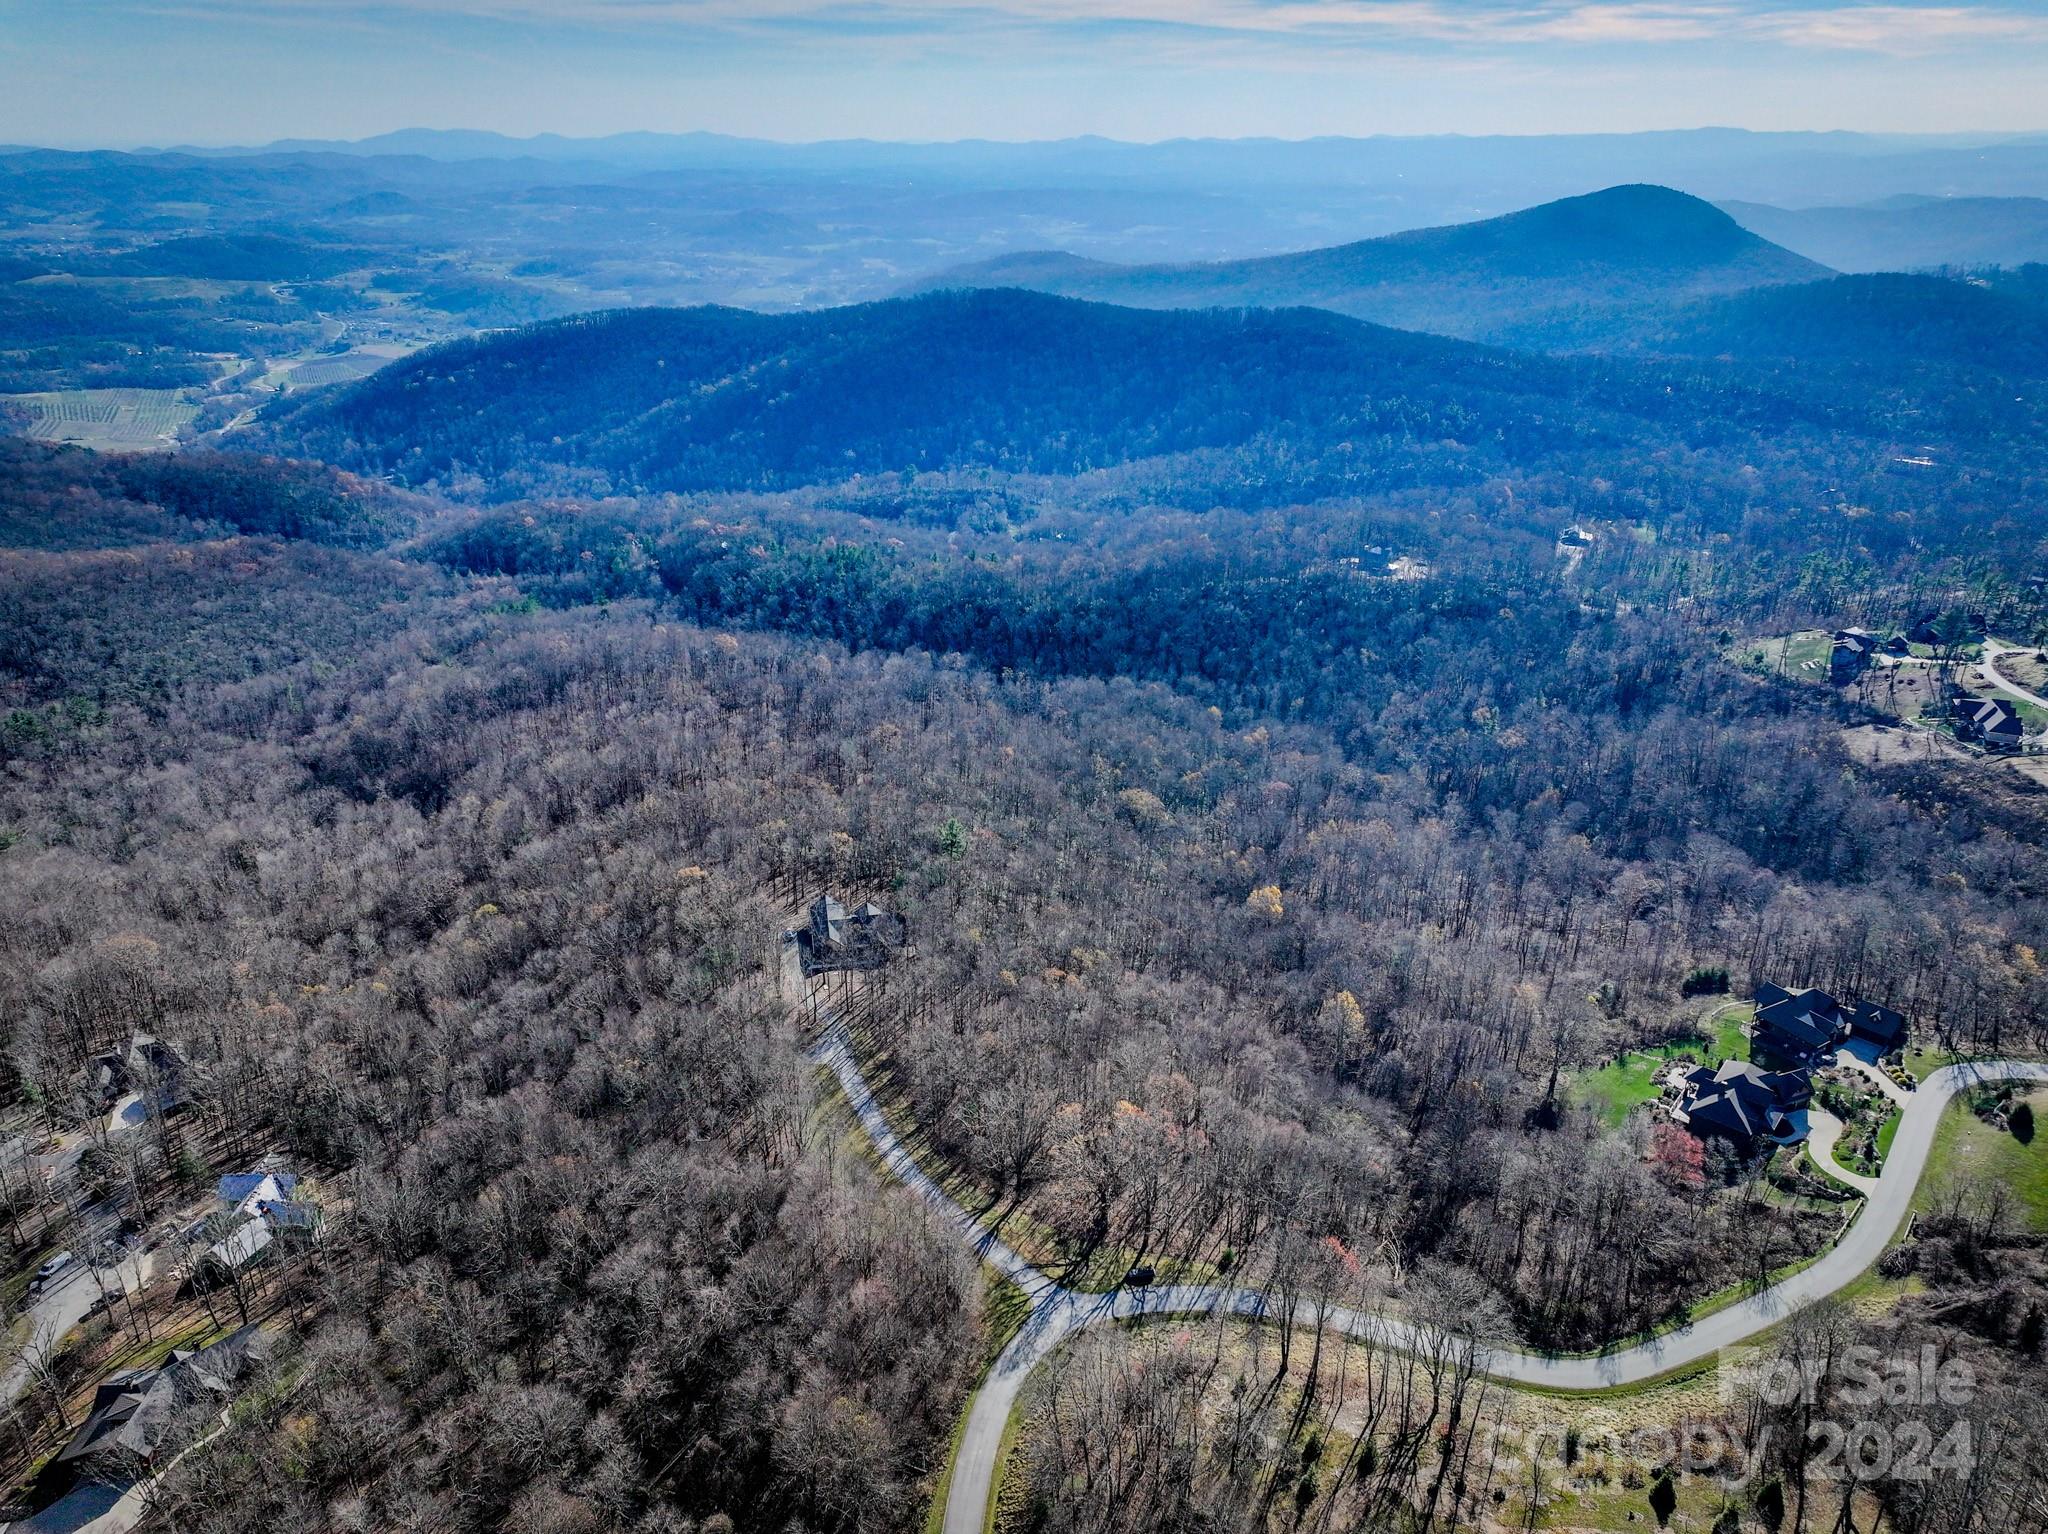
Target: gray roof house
829, 926
834, 938
145, 1061
1991, 721
133, 1413
256, 1207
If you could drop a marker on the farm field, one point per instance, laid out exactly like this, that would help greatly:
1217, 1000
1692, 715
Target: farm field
113, 420
318, 372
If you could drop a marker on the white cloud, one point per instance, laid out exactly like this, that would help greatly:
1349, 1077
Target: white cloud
1858, 27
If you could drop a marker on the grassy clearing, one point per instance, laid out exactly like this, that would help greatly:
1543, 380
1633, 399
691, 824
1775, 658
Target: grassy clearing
2033, 718
1885, 1136
2025, 667
1616, 1088
1573, 1500
1970, 1153
112, 420
1802, 656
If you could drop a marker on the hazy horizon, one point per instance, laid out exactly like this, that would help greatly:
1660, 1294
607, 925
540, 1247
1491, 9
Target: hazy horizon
132, 73
1953, 138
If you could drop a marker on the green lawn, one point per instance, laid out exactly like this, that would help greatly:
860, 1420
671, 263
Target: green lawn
1967, 651
1614, 1089
1969, 1152
1802, 656
2033, 718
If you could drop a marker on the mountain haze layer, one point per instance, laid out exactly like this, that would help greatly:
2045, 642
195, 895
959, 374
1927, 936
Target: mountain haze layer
1907, 233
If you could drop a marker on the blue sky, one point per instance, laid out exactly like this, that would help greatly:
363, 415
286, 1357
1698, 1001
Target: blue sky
124, 72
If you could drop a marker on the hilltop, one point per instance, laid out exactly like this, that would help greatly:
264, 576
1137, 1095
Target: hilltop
713, 398
1566, 273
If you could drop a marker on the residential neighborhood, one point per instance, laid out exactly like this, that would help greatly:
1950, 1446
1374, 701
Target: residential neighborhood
159, 1300
1764, 1099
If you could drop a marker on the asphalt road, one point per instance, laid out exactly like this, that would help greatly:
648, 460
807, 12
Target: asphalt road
1058, 1313
1988, 673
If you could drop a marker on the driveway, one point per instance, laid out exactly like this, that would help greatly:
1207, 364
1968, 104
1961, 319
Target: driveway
1823, 1134
1860, 1057
1987, 672
88, 1508
1058, 1312
63, 1305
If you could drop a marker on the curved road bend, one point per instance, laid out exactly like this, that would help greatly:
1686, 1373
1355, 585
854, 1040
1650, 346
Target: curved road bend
1058, 1312
1991, 676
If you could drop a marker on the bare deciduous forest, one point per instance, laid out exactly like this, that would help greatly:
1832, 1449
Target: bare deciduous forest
468, 907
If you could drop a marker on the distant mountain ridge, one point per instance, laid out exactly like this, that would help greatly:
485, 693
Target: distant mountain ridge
1908, 233
1569, 273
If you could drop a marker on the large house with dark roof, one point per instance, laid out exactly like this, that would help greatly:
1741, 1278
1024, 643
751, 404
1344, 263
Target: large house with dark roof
134, 1413
1742, 1101
833, 937
1877, 1025
1991, 722
1798, 1025
1805, 1024
1748, 1103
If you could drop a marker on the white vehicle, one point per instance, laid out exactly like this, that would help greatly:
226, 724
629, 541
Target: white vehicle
50, 1271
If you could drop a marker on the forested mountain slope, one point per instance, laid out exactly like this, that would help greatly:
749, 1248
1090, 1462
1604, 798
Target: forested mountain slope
1269, 908
1258, 407
720, 398
1888, 320
1247, 408
1564, 273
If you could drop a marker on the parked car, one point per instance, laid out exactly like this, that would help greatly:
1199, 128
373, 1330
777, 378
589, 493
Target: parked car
1139, 1277
103, 1304
50, 1271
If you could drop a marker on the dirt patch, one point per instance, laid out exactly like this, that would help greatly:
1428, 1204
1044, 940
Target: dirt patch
2024, 668
1890, 745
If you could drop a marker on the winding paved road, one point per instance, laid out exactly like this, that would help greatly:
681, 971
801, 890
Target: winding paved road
1991, 676
1058, 1312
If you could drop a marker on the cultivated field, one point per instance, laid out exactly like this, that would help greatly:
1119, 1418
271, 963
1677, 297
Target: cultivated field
321, 371
113, 420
